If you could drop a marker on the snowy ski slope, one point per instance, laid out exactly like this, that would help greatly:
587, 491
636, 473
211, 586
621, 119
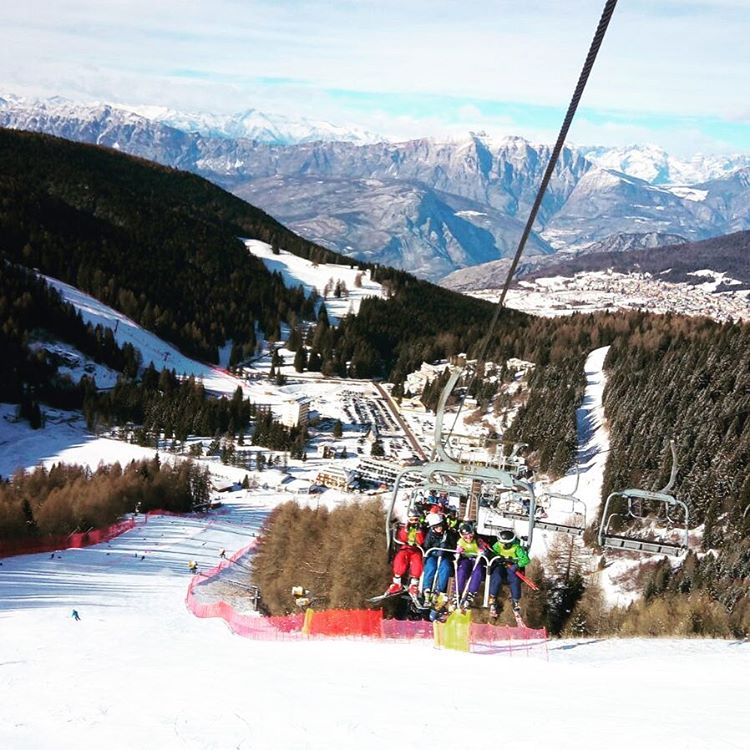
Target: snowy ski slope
295, 271
139, 671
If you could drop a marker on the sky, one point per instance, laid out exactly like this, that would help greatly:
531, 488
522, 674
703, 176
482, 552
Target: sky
670, 72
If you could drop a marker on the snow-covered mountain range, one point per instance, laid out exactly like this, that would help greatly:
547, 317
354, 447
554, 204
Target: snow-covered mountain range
251, 124
426, 205
654, 165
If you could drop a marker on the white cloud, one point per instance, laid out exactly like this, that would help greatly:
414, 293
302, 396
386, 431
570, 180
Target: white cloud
671, 57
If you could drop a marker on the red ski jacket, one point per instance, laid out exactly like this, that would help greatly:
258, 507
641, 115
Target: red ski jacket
411, 536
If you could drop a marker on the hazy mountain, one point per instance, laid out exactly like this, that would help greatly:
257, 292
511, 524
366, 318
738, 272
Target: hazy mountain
729, 255
60, 113
604, 203
654, 165
625, 242
492, 275
254, 125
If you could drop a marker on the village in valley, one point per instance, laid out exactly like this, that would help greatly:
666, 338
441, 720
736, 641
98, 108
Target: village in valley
713, 294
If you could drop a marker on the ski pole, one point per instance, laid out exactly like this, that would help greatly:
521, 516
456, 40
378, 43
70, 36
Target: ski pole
527, 581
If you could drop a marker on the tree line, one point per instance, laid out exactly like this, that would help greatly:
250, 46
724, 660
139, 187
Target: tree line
67, 498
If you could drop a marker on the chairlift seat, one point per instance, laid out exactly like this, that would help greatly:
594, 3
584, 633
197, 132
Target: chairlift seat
640, 545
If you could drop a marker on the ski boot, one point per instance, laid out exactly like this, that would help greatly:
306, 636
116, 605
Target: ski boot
517, 613
427, 596
395, 587
466, 602
440, 609
493, 610
413, 589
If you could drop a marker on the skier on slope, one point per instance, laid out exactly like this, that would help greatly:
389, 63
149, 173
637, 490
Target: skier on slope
410, 537
470, 564
438, 565
513, 557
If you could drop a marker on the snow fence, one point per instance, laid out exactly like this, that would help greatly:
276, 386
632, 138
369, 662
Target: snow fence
460, 633
51, 543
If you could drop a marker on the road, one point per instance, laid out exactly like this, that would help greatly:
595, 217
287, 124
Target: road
397, 416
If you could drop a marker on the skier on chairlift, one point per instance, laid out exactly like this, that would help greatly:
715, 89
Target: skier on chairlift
469, 566
410, 538
513, 557
439, 565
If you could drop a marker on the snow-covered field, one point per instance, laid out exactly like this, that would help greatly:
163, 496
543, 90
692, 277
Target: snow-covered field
140, 671
295, 271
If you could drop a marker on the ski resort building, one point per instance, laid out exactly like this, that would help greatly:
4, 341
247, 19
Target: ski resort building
291, 411
335, 477
378, 471
294, 412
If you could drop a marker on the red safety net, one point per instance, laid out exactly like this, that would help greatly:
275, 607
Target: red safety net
34, 545
349, 623
149, 513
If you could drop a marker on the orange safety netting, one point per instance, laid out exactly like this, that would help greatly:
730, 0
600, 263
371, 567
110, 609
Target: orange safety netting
34, 545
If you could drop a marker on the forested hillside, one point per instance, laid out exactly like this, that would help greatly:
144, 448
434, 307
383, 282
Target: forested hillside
157, 244
687, 379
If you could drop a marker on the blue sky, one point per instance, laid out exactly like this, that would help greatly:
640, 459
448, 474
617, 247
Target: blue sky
671, 72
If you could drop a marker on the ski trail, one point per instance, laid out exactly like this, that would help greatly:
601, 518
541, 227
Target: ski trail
593, 438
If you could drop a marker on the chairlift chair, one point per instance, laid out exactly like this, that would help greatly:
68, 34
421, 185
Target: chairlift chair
643, 505
514, 462
449, 473
577, 510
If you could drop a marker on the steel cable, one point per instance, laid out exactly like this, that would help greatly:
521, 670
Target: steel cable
596, 43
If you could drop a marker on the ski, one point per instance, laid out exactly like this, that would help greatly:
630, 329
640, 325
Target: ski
417, 604
386, 596
519, 620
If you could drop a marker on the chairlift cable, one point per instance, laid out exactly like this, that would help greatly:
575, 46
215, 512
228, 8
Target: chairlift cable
596, 43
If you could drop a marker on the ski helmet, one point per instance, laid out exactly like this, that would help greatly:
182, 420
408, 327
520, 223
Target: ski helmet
434, 519
466, 527
507, 536
414, 516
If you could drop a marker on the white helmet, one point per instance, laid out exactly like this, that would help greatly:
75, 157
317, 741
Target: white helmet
507, 536
434, 519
